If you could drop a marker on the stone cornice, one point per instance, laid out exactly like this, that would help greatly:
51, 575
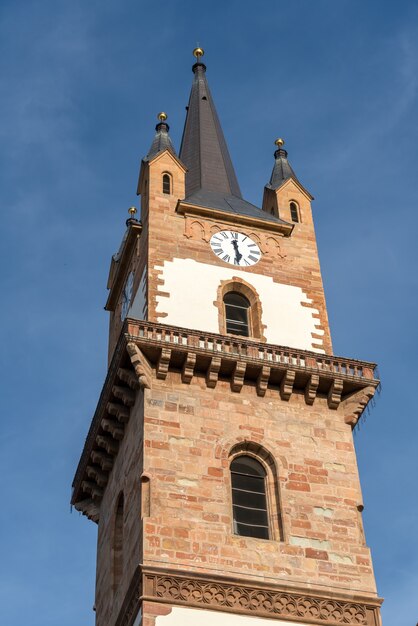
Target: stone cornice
247, 597
186, 209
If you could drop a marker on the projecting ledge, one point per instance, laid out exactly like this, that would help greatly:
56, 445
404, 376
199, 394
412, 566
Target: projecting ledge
242, 361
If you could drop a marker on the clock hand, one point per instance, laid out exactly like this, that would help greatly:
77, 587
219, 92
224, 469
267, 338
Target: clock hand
238, 256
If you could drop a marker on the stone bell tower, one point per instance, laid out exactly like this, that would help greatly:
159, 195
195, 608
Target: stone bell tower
219, 466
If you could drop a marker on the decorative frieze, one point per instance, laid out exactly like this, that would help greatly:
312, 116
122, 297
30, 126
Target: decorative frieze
253, 599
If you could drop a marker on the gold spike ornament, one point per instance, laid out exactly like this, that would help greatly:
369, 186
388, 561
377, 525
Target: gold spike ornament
162, 116
279, 142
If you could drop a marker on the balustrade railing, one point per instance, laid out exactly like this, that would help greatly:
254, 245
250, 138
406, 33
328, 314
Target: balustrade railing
248, 349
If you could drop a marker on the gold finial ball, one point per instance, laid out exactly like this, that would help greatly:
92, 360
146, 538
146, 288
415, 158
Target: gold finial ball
198, 52
162, 116
132, 211
279, 142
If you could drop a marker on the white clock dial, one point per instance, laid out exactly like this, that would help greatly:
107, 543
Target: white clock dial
127, 295
235, 248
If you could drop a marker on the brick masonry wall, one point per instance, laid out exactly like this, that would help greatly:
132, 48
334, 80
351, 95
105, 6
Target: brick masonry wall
125, 477
189, 431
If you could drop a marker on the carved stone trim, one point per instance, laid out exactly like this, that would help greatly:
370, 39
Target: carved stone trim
334, 394
237, 379
188, 368
252, 599
140, 364
212, 371
354, 405
108, 443
311, 388
119, 411
262, 380
96, 473
91, 487
128, 377
104, 460
114, 428
89, 509
286, 386
123, 393
163, 363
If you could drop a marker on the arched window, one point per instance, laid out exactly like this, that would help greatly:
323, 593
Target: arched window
118, 543
237, 314
249, 501
294, 212
166, 183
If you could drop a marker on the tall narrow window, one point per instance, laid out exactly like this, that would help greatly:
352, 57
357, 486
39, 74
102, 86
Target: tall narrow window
166, 184
294, 212
118, 543
237, 314
249, 502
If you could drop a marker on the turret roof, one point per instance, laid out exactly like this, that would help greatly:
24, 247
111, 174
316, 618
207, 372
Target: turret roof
282, 170
161, 141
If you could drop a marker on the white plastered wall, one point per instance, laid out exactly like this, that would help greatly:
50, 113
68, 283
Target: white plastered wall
181, 616
192, 289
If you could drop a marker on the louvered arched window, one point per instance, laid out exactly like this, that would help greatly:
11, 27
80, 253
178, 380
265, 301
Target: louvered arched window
237, 309
294, 212
249, 500
166, 183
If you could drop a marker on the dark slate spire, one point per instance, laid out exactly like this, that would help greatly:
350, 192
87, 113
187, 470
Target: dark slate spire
161, 139
282, 169
203, 147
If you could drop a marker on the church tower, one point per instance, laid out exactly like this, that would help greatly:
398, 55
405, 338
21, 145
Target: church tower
219, 466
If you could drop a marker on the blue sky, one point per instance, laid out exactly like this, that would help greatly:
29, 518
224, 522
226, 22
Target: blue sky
81, 84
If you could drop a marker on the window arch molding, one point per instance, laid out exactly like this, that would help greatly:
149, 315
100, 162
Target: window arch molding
167, 183
238, 285
272, 487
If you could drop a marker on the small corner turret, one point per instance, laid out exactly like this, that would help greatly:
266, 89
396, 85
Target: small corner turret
284, 192
161, 170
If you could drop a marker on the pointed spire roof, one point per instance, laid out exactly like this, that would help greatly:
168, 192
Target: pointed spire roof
282, 169
162, 140
203, 147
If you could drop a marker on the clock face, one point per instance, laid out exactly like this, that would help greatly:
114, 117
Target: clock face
127, 295
235, 248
